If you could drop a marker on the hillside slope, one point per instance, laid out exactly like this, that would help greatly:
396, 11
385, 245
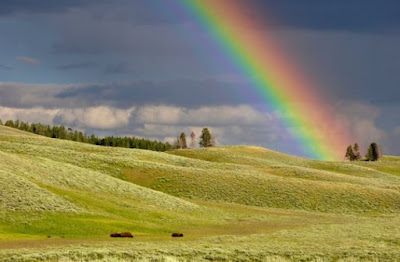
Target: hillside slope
258, 176
61, 180
236, 174
231, 202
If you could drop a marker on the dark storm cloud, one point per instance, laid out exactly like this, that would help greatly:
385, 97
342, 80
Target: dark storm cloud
353, 15
141, 12
6, 68
85, 35
73, 66
8, 7
119, 68
188, 93
344, 45
346, 65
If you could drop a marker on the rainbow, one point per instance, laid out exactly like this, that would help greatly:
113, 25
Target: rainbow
305, 115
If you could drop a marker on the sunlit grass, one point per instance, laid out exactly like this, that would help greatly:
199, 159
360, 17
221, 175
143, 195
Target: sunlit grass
60, 200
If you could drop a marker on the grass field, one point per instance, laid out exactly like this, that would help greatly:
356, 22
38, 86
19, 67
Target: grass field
60, 200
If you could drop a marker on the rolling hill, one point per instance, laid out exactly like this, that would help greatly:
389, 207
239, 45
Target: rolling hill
61, 199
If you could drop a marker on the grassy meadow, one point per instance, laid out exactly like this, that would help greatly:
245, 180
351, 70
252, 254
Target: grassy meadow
60, 200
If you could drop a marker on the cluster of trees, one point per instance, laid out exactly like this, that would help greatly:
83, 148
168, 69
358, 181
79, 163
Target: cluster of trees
206, 139
62, 132
373, 153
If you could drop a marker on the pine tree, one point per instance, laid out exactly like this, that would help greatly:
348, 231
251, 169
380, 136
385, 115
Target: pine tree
177, 143
192, 140
368, 155
182, 139
9, 123
349, 153
205, 138
373, 153
60, 132
356, 151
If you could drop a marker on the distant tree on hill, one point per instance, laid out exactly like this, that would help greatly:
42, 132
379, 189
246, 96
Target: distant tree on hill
350, 153
60, 132
177, 143
205, 138
373, 153
182, 140
1, 123
9, 123
356, 151
353, 152
192, 140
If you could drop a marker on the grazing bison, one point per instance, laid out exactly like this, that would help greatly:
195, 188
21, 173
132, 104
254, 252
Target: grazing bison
125, 234
177, 235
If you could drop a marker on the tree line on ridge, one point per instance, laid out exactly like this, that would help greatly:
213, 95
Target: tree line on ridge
62, 132
374, 152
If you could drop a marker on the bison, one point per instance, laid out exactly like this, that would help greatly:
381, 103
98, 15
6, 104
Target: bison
125, 234
177, 235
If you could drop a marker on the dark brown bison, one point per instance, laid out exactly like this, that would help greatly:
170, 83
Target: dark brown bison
177, 235
125, 234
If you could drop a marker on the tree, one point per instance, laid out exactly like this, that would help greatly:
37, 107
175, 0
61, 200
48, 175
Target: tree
192, 140
177, 143
9, 123
60, 132
182, 140
349, 153
373, 153
205, 138
1, 123
356, 151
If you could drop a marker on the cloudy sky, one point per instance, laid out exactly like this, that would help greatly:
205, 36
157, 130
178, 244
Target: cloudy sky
130, 67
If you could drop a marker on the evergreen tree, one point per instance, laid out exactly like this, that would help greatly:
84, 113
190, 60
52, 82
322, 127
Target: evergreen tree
205, 138
349, 153
368, 155
182, 140
9, 123
177, 143
60, 132
356, 151
373, 153
1, 123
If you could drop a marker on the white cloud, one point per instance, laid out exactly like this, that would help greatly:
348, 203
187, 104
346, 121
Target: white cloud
240, 124
153, 120
36, 114
207, 115
230, 124
101, 117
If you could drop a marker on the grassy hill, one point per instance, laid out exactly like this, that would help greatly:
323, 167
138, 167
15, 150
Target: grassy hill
61, 199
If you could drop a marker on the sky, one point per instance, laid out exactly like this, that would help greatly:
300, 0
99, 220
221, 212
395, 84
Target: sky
142, 68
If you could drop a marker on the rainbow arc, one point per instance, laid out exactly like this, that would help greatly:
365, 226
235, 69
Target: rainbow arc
284, 89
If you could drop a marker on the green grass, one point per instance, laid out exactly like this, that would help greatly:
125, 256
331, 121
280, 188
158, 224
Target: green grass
59, 201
